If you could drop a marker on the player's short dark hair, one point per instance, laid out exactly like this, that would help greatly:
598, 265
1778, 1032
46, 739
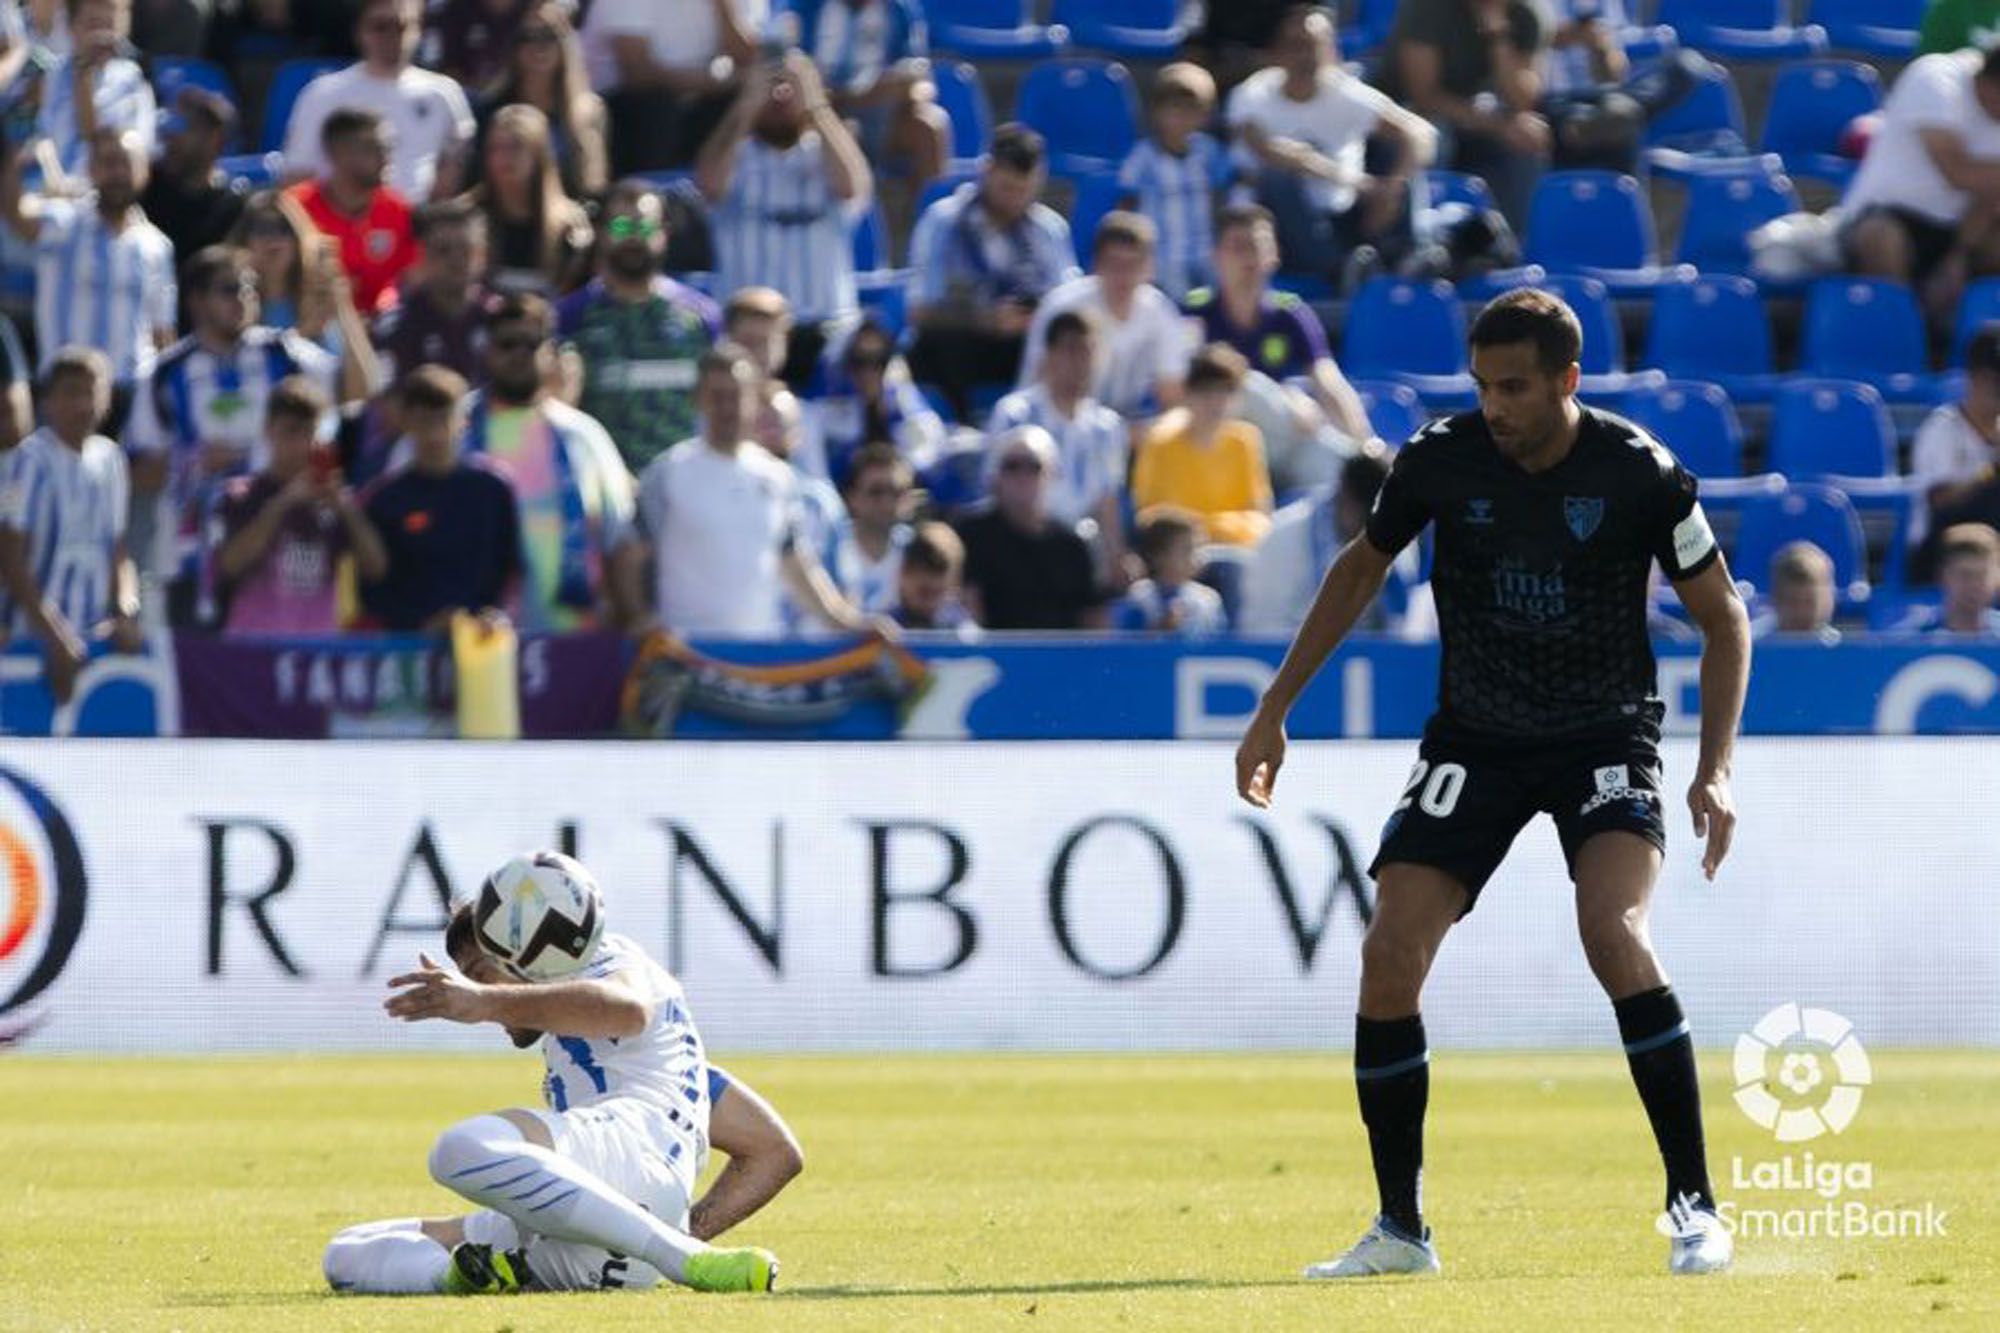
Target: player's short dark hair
458, 936
1069, 324
79, 362
1122, 227
432, 388
874, 454
212, 264
1217, 366
348, 122
1977, 540
1161, 528
1017, 148
1530, 315
458, 211
1244, 215
297, 398
1361, 477
522, 308
935, 549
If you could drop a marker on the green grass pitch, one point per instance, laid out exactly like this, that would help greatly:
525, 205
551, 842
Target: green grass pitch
1062, 1192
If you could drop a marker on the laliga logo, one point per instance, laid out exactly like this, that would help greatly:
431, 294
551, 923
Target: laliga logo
1818, 1062
42, 892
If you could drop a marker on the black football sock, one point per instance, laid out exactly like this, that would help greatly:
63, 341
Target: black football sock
1661, 1053
1392, 1076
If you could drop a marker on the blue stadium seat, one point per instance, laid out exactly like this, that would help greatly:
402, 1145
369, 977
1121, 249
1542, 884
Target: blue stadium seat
1095, 196
1706, 127
1743, 30
883, 291
1596, 223
1603, 357
991, 29
963, 98
1883, 29
1367, 27
1134, 29
1810, 109
1979, 307
1697, 422
870, 235
250, 172
1869, 329
1410, 332
1818, 514
170, 74
1458, 187
1088, 111
1714, 328
1394, 410
287, 83
1823, 428
1724, 207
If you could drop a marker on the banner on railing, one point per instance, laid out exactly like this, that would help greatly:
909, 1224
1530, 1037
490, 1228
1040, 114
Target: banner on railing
1123, 688
207, 895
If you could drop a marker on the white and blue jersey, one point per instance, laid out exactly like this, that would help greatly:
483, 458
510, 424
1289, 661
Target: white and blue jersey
958, 252
780, 226
1091, 449
124, 102
68, 506
1178, 191
664, 1067
191, 397
103, 288
869, 584
854, 45
1191, 611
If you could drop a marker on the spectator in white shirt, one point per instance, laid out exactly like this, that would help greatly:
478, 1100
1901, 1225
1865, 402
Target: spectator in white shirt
1303, 128
865, 556
97, 87
1093, 444
718, 517
429, 119
1145, 347
786, 179
667, 70
1957, 450
1305, 537
1925, 206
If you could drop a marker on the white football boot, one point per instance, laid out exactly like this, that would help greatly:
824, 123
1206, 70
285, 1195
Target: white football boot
1382, 1250
1697, 1241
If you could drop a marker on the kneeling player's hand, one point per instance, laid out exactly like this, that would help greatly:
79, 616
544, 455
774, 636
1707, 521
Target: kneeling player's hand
436, 992
1714, 819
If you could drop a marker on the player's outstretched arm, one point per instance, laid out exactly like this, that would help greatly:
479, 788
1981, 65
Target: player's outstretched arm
603, 1007
764, 1157
1356, 576
1713, 604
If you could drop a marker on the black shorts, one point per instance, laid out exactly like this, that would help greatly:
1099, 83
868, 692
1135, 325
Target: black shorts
1930, 242
1469, 796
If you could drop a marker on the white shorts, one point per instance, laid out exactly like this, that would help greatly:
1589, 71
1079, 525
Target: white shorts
635, 1149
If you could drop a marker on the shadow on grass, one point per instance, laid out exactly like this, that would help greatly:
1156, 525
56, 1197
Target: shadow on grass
1082, 1288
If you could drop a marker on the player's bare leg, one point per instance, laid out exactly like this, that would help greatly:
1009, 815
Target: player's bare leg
1615, 874
1415, 905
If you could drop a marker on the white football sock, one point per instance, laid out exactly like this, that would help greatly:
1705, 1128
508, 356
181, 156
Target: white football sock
386, 1259
487, 1160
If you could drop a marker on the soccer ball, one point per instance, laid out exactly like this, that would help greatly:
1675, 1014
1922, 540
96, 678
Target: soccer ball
539, 916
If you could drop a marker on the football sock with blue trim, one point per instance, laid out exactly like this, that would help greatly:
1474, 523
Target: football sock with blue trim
1661, 1053
391, 1258
487, 1160
1392, 1079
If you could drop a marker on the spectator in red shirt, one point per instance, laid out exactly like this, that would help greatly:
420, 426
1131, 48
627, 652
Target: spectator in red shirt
370, 223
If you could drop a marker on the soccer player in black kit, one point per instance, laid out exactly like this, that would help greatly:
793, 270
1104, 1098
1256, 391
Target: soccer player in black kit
1549, 516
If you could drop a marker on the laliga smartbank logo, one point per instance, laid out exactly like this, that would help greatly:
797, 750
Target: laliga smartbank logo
42, 892
1801, 1074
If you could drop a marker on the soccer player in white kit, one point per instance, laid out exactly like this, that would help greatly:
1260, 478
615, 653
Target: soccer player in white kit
592, 1192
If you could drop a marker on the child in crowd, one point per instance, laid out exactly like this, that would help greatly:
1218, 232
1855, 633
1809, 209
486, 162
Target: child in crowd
1168, 600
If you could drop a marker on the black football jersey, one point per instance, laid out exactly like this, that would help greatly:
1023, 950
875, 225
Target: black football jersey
1541, 579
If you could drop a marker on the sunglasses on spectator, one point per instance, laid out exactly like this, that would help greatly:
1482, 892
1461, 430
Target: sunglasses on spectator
245, 288
868, 361
271, 227
884, 491
517, 342
538, 36
625, 229
1021, 463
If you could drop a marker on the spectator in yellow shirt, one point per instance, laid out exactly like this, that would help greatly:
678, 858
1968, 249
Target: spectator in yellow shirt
1200, 458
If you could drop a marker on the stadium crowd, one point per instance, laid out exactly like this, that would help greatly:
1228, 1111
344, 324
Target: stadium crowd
586, 312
